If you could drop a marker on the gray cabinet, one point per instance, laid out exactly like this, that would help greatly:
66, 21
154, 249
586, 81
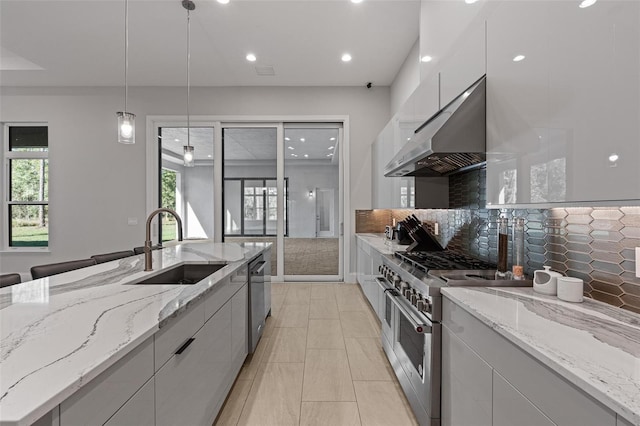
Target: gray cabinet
559, 120
239, 324
510, 407
539, 389
466, 384
191, 386
368, 263
97, 401
623, 422
139, 410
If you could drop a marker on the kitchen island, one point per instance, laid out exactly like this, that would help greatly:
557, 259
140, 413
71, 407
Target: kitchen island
61, 334
515, 355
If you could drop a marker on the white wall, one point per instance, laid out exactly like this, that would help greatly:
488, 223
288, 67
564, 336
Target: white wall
91, 198
407, 79
198, 201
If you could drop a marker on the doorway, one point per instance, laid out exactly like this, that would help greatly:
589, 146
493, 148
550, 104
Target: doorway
325, 212
264, 188
187, 190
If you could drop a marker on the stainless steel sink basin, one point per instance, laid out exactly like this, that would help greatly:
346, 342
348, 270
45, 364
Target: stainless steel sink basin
477, 278
183, 274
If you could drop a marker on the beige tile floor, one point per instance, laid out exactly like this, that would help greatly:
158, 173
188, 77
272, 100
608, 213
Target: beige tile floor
319, 362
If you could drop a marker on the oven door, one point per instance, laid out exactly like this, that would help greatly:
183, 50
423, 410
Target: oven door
417, 346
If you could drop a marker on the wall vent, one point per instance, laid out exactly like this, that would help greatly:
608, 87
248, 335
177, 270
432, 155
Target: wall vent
265, 70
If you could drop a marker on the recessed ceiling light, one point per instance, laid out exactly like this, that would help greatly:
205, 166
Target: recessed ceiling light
332, 139
290, 147
287, 139
331, 147
356, 1
426, 58
470, 1
302, 139
408, 139
294, 155
518, 58
329, 155
613, 157
223, 1
177, 140
306, 156
210, 156
251, 57
587, 3
346, 57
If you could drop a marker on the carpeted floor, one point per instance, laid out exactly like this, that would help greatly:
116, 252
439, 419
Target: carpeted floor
302, 256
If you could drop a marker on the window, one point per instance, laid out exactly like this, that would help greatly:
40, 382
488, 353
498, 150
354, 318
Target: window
27, 185
169, 198
256, 212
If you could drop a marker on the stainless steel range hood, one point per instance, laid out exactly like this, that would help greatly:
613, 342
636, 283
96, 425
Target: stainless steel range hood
453, 140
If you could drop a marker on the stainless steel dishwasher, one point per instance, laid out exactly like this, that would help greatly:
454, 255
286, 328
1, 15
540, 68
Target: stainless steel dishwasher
256, 301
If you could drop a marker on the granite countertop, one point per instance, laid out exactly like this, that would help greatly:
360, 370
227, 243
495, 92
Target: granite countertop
593, 345
58, 333
381, 244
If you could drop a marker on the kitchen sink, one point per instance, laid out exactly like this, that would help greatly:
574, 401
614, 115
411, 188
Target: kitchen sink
184, 274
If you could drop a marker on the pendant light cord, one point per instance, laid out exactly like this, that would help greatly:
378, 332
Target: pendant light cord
188, 73
126, 51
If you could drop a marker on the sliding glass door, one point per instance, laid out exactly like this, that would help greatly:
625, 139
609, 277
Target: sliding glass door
312, 165
187, 190
250, 191
302, 222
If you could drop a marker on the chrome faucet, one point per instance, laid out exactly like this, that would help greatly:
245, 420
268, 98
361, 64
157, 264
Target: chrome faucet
147, 243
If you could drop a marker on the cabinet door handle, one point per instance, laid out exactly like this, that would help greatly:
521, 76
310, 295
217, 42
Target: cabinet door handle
185, 345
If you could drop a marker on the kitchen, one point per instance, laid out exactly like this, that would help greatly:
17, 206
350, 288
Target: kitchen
590, 233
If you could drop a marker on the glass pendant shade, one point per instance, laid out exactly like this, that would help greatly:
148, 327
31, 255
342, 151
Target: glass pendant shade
188, 156
126, 127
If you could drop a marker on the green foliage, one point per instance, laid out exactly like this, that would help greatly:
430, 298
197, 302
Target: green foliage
30, 235
168, 189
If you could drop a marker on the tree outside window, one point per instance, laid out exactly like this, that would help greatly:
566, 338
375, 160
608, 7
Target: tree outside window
28, 185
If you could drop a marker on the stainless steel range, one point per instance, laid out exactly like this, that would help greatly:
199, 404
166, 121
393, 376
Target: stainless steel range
411, 326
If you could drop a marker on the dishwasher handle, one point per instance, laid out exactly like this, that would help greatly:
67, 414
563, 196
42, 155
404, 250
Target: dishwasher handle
258, 268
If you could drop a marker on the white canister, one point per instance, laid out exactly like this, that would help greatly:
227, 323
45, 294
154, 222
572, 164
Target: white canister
570, 289
545, 281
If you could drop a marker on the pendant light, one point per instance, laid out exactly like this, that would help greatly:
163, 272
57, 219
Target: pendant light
126, 120
189, 160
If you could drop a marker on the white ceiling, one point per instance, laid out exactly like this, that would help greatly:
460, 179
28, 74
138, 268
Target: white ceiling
81, 42
254, 144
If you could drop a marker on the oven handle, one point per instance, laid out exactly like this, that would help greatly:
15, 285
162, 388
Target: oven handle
418, 324
383, 284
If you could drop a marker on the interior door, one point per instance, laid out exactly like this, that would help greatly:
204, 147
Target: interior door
325, 212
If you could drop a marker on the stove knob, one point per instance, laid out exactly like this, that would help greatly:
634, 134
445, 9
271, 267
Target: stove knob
422, 305
395, 279
406, 290
380, 269
413, 298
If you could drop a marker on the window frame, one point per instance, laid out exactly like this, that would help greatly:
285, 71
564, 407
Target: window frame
264, 196
5, 189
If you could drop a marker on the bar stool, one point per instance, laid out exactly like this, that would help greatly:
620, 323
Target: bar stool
9, 279
42, 271
107, 257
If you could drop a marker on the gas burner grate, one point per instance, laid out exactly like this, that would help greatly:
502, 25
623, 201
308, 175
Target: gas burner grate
443, 260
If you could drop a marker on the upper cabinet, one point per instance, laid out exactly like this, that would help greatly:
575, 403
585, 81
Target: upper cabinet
465, 66
389, 193
399, 192
563, 102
